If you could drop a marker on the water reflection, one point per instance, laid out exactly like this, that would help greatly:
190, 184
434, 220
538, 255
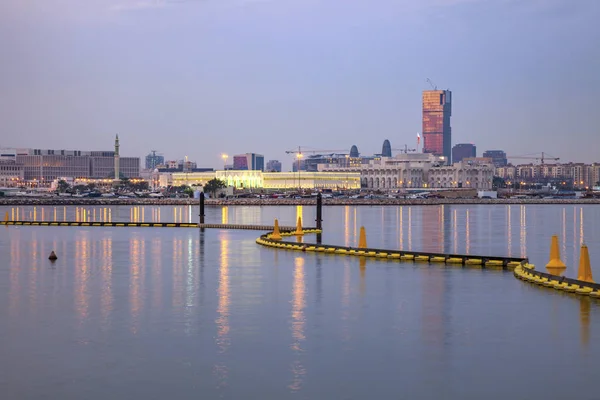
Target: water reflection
581, 241
224, 215
82, 276
223, 340
157, 279
347, 226
106, 269
523, 225
584, 317
362, 265
297, 322
136, 262
409, 228
455, 230
467, 234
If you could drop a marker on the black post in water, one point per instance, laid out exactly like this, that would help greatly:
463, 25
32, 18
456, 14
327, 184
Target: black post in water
201, 207
319, 211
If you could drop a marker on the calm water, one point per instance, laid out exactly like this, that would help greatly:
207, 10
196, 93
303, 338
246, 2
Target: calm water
158, 313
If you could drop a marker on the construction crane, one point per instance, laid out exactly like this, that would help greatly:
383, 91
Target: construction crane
433, 85
533, 157
405, 150
300, 151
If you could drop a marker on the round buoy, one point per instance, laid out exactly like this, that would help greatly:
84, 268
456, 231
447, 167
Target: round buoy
52, 256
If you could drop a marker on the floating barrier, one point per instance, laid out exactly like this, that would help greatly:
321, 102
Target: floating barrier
363, 251
554, 282
106, 224
285, 230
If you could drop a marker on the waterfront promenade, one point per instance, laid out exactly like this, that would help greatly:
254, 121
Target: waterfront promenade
99, 201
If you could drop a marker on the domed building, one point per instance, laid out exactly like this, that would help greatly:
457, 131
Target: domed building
354, 151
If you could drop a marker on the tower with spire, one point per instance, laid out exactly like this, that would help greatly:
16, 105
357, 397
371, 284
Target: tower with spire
117, 158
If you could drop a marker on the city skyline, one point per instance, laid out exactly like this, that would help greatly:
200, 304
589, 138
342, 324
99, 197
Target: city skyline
256, 76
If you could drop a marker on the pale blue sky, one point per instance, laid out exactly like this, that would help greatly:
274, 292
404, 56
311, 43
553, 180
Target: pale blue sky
203, 77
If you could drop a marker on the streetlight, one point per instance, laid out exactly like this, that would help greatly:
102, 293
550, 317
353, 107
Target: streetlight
224, 157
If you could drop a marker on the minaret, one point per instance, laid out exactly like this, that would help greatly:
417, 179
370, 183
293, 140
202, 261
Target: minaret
117, 158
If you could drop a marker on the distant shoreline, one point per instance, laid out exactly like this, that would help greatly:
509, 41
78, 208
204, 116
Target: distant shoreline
62, 201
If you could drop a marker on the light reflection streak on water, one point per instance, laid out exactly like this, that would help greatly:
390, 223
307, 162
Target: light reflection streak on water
581, 236
574, 236
82, 276
177, 293
347, 226
455, 229
191, 287
297, 322
564, 234
401, 223
106, 295
409, 228
224, 215
523, 224
223, 341
156, 258
509, 217
222, 321
355, 232
441, 229
467, 234
136, 254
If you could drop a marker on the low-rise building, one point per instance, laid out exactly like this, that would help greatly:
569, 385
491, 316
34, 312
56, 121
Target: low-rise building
11, 173
421, 170
240, 179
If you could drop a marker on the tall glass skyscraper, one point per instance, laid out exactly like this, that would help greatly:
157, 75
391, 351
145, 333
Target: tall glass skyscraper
437, 134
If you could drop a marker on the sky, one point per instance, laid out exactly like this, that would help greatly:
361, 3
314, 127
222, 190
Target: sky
200, 78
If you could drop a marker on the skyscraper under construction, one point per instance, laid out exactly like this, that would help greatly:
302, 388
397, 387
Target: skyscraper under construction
437, 134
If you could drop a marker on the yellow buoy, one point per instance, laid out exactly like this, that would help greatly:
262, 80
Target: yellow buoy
276, 235
299, 227
555, 266
585, 270
362, 240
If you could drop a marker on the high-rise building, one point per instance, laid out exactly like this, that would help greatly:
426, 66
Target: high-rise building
249, 161
463, 150
437, 134
273, 166
153, 159
498, 157
386, 149
240, 162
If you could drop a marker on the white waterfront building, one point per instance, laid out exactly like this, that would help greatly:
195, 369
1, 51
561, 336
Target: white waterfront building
419, 170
